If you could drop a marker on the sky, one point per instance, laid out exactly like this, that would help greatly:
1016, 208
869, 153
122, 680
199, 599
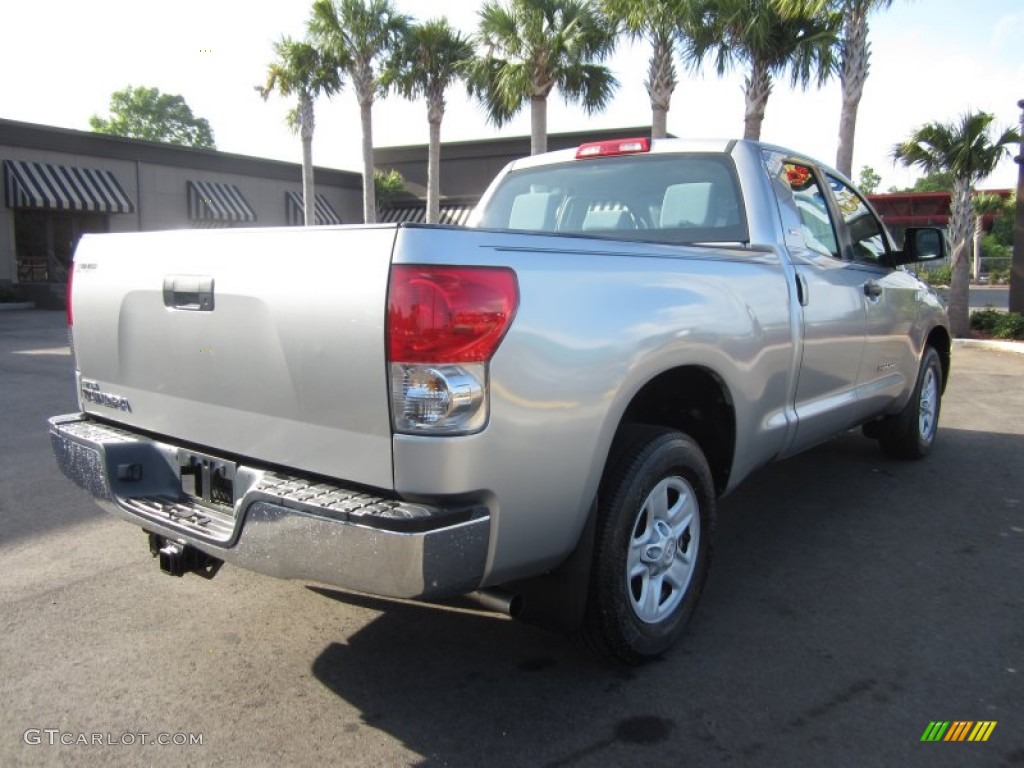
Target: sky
932, 60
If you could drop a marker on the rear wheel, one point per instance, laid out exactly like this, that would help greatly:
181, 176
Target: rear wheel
911, 433
656, 513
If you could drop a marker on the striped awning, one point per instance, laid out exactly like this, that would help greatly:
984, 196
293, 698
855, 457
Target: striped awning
212, 201
456, 215
323, 211
63, 188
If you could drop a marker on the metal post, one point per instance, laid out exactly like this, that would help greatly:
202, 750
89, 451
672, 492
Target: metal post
1017, 268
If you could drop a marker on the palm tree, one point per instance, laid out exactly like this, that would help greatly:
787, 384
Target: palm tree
982, 205
360, 35
966, 150
666, 25
770, 36
854, 64
530, 47
430, 59
301, 70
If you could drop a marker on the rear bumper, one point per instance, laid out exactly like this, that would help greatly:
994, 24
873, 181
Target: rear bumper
284, 526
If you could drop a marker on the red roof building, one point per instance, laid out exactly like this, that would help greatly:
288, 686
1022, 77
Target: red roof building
900, 210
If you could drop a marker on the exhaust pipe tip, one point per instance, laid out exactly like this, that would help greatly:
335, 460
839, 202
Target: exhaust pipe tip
498, 600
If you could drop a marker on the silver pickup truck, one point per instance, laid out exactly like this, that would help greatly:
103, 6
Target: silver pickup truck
540, 410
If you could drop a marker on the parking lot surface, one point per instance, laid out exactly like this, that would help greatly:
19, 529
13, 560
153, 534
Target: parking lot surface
852, 601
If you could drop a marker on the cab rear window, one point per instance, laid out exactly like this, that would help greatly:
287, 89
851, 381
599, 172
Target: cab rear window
679, 198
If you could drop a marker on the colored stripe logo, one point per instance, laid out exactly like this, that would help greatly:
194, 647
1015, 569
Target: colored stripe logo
958, 730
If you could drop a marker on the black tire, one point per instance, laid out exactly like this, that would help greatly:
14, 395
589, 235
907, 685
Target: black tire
637, 615
911, 433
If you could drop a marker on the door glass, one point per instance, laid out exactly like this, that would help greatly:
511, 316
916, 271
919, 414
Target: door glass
815, 223
865, 230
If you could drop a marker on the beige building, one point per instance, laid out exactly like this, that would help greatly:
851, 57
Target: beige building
59, 184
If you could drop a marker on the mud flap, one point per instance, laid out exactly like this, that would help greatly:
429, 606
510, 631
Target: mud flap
557, 600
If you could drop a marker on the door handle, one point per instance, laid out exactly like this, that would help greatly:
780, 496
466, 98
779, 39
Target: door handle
801, 290
189, 292
872, 289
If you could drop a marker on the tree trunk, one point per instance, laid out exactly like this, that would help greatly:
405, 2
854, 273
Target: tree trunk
979, 232
434, 171
960, 232
1017, 265
538, 125
757, 88
308, 189
369, 191
661, 83
659, 122
852, 74
306, 126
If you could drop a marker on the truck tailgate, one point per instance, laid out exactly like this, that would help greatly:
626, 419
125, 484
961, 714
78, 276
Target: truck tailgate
267, 344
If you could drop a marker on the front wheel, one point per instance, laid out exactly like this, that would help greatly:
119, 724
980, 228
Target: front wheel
911, 433
656, 513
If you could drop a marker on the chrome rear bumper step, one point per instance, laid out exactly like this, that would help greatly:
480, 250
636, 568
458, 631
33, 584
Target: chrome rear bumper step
286, 526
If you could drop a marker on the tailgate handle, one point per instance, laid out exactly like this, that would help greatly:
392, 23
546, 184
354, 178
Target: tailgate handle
190, 292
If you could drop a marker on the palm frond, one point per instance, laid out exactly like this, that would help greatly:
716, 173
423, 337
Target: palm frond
430, 58
963, 148
589, 84
532, 46
359, 35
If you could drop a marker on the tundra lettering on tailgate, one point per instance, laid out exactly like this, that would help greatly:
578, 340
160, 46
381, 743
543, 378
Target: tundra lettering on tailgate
91, 391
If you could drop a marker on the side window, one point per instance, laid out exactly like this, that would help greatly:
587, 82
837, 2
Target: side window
869, 243
816, 224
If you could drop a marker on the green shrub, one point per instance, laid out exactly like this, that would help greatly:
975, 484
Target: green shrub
999, 325
1011, 326
991, 248
985, 320
940, 275
8, 295
999, 276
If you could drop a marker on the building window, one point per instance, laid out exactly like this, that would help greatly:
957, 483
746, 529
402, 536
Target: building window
45, 241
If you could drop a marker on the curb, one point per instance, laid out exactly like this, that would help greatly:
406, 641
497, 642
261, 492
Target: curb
999, 346
10, 306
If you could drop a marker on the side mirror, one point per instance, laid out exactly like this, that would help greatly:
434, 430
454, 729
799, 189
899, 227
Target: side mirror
921, 244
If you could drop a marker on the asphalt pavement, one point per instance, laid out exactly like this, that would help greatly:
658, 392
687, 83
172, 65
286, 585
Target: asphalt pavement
989, 297
853, 600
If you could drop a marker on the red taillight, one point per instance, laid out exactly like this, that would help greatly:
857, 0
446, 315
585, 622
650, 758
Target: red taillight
67, 301
449, 314
615, 147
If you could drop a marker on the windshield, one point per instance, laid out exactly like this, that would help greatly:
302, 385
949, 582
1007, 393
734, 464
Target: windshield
677, 198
